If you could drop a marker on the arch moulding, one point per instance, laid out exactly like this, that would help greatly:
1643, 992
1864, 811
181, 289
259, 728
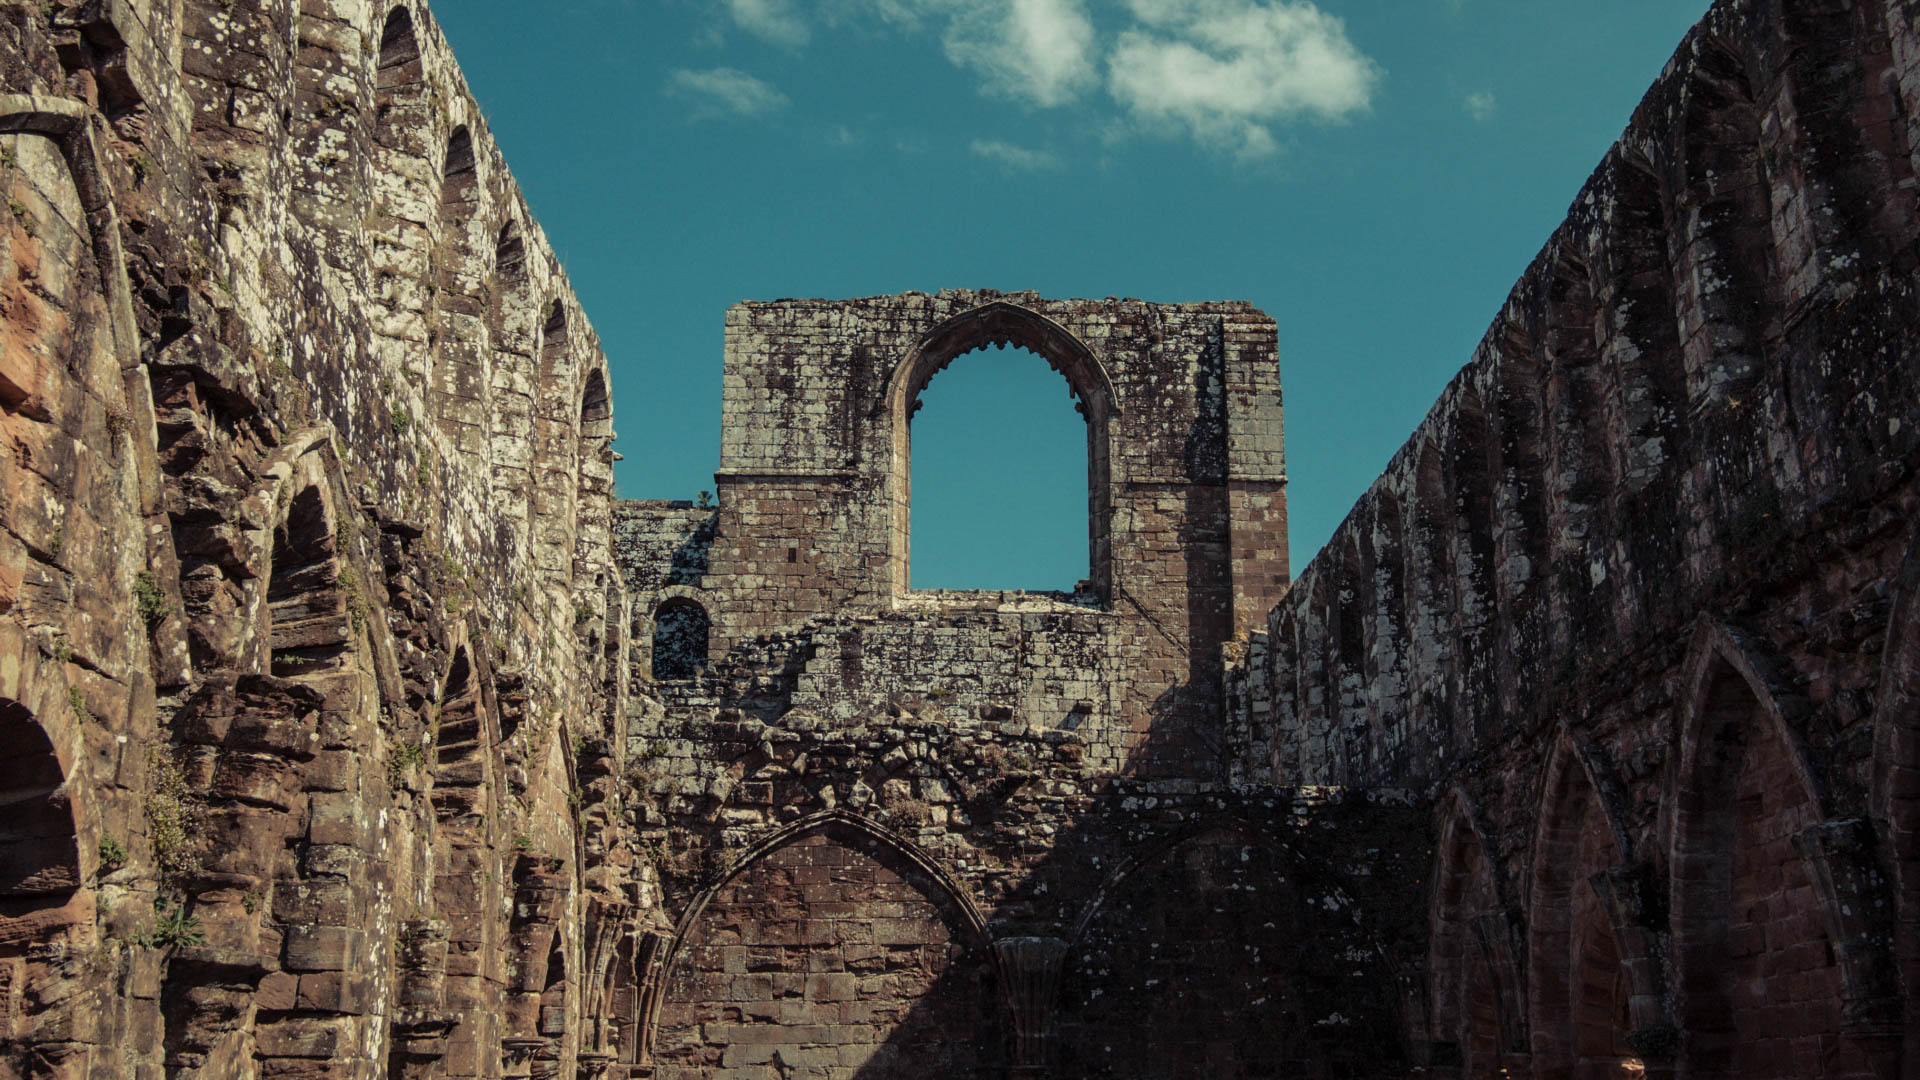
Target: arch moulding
1002, 323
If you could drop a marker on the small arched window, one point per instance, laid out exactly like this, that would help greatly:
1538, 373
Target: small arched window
460, 176
594, 405
400, 87
680, 630
510, 254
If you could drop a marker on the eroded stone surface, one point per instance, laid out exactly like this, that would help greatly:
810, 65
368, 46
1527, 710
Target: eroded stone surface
352, 728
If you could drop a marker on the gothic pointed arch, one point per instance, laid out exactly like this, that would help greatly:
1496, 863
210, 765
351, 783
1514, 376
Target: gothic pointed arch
1744, 794
832, 913
1592, 971
1002, 323
1474, 957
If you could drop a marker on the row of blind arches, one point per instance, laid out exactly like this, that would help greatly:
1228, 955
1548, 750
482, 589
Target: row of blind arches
501, 372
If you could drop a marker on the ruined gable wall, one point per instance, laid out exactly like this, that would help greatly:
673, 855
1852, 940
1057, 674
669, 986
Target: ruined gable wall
1628, 602
1187, 511
876, 809
312, 638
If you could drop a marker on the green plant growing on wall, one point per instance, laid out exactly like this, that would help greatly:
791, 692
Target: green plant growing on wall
404, 759
356, 603
61, 650
173, 928
150, 599
77, 702
113, 854
170, 815
57, 543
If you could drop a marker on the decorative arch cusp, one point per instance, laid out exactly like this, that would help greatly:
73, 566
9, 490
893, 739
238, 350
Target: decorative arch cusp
1004, 324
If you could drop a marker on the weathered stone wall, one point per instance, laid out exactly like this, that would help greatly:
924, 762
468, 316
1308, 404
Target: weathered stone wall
352, 728
894, 824
1632, 606
312, 654
1186, 506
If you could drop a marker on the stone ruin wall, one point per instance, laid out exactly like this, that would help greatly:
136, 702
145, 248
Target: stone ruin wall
311, 728
1634, 607
955, 831
1588, 741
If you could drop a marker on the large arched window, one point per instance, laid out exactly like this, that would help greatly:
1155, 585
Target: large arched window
680, 630
999, 474
1003, 324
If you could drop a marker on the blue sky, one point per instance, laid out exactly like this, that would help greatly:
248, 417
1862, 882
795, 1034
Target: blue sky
1375, 174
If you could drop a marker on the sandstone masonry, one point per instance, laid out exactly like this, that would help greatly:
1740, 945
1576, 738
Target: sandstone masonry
350, 727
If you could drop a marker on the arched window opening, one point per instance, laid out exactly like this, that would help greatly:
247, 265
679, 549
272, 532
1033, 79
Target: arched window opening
312, 626
1749, 941
461, 744
999, 478
459, 177
553, 999
398, 47
554, 359
39, 857
510, 254
680, 632
399, 87
595, 407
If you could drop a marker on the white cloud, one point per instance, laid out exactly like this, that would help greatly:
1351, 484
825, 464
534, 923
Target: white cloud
728, 88
1480, 105
1033, 50
1039, 51
1227, 69
774, 20
1015, 158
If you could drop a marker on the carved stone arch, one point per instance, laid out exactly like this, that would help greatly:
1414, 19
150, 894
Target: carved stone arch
1155, 849
1595, 964
1475, 957
46, 913
1517, 404
1727, 257
1751, 920
946, 1003
680, 627
40, 858
72, 126
466, 742
462, 390
1002, 323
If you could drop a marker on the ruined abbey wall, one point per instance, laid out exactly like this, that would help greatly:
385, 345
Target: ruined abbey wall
977, 831
1633, 607
306, 590
352, 728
